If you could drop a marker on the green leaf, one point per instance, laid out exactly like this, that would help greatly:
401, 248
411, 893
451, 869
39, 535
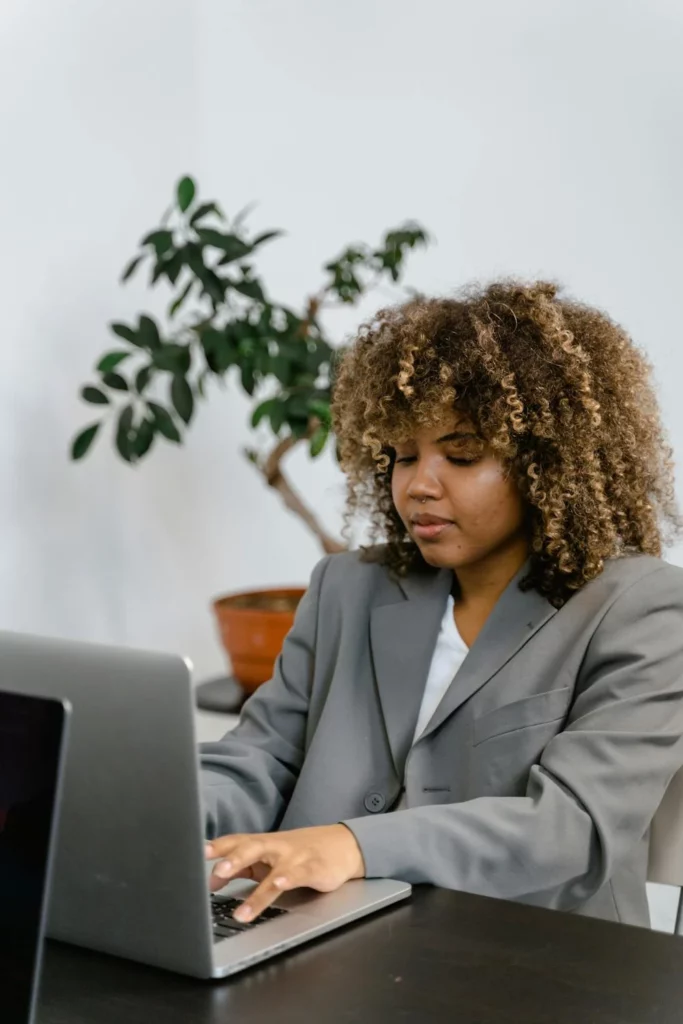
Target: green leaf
322, 411
185, 193
164, 422
210, 237
277, 417
131, 267
194, 258
142, 378
264, 409
170, 265
162, 241
213, 286
297, 415
201, 383
82, 443
123, 432
267, 236
231, 245
94, 396
126, 418
125, 332
174, 358
229, 258
297, 406
173, 266
204, 210
299, 427
115, 381
262, 360
410, 235
148, 333
248, 378
112, 359
144, 436
252, 289
177, 303
319, 440
219, 349
182, 398
281, 368
274, 409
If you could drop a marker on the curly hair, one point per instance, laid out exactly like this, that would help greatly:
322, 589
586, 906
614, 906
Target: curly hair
559, 391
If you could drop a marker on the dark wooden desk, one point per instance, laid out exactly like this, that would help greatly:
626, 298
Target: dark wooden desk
443, 957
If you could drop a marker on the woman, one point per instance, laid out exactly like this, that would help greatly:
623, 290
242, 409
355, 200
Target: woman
493, 700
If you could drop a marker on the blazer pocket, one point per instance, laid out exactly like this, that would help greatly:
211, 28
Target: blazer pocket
539, 709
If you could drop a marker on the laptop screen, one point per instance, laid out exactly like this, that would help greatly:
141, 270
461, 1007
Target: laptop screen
31, 730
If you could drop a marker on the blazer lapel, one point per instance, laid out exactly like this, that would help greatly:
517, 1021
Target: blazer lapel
515, 618
403, 632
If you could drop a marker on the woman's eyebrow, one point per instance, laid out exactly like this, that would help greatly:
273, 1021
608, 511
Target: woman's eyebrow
458, 435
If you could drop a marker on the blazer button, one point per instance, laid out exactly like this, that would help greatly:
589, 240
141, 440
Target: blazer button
374, 803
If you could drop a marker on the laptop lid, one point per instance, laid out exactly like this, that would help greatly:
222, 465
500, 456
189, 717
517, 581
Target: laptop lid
129, 873
32, 733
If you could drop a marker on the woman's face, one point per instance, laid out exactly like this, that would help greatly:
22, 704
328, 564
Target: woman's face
454, 497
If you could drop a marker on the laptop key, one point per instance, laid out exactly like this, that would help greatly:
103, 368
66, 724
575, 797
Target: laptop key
221, 932
222, 910
271, 912
229, 922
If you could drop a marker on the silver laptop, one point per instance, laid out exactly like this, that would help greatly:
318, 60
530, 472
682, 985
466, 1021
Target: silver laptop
32, 741
130, 875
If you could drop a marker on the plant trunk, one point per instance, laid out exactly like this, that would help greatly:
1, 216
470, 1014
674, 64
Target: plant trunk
274, 476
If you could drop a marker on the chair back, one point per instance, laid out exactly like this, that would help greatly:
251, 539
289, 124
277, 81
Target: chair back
666, 836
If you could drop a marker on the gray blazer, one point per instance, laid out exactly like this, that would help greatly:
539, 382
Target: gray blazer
539, 773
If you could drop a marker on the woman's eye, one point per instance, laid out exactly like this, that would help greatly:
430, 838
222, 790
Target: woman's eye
461, 462
405, 458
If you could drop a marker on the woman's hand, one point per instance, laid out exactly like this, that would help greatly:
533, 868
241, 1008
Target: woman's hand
321, 858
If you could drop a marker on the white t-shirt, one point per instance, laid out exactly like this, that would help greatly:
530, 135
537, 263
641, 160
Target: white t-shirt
449, 654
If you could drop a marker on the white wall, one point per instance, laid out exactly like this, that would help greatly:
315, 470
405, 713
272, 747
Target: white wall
534, 137
97, 117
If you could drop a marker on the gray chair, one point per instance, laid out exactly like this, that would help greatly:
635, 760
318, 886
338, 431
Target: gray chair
666, 843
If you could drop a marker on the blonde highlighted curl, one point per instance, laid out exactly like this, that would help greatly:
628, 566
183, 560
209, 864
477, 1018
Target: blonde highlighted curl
562, 395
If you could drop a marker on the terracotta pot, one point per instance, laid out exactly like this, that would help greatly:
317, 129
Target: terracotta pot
253, 626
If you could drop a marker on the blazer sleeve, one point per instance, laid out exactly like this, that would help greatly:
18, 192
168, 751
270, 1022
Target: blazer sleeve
593, 794
248, 777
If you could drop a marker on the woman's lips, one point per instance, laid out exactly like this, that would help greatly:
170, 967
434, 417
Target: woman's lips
429, 527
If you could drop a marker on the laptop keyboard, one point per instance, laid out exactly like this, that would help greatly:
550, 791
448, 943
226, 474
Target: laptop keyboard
224, 924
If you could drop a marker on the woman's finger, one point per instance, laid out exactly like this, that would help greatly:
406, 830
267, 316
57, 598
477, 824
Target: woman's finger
224, 845
216, 882
277, 881
253, 873
248, 853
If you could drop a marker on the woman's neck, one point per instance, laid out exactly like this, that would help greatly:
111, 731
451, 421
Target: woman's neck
478, 586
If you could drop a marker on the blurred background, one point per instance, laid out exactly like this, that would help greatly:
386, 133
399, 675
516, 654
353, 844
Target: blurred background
534, 138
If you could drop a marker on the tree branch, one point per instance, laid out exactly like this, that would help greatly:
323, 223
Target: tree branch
272, 472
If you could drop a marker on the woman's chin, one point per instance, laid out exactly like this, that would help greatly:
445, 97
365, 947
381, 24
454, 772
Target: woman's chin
438, 555
442, 554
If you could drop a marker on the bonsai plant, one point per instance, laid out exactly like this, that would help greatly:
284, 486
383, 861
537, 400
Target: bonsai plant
222, 322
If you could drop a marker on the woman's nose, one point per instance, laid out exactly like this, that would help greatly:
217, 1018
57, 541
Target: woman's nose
424, 483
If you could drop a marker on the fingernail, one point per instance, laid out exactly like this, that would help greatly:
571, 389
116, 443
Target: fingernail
223, 869
208, 850
243, 913
280, 883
